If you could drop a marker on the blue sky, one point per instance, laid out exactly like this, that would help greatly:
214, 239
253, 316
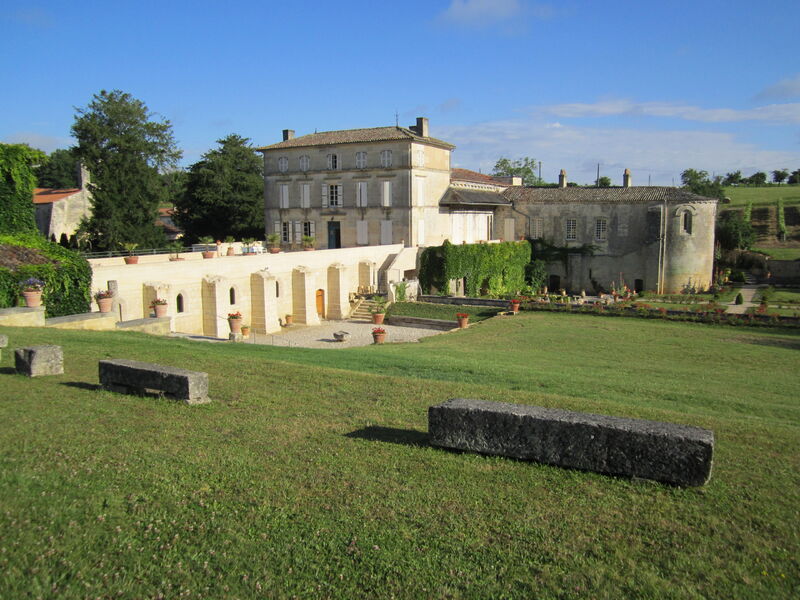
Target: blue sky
656, 87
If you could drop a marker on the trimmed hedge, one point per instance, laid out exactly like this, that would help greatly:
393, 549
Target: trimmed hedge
67, 276
494, 269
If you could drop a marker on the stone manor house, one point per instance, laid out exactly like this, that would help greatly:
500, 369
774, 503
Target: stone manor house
389, 185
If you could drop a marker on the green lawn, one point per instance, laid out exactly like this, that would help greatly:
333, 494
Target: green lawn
785, 296
310, 474
429, 310
766, 195
780, 253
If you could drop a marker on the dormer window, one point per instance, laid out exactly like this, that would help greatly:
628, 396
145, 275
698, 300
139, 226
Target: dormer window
305, 163
333, 162
283, 164
361, 160
386, 158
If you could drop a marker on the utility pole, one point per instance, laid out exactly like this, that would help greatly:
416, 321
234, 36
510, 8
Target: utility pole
597, 181
540, 172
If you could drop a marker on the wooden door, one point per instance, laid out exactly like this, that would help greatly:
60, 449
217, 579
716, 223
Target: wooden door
321, 303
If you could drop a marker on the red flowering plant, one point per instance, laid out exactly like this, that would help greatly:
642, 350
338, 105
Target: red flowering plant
102, 294
157, 301
515, 301
462, 316
378, 330
235, 315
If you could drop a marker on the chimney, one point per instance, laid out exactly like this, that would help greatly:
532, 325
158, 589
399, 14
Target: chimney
626, 178
562, 179
288, 134
421, 128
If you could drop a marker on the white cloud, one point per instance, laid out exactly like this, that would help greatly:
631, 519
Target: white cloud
481, 14
47, 143
778, 113
783, 90
659, 154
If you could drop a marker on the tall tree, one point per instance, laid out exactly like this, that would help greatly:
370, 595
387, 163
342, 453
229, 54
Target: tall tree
123, 146
17, 182
224, 193
794, 177
759, 178
521, 167
604, 182
779, 175
59, 170
734, 178
699, 183
733, 232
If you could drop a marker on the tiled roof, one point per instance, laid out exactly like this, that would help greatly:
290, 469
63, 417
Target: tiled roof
48, 195
474, 176
353, 136
459, 196
609, 195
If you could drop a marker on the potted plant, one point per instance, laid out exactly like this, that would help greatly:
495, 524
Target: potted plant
378, 335
245, 330
231, 250
289, 319
130, 247
235, 322
207, 241
247, 245
104, 300
274, 241
463, 320
514, 305
308, 242
159, 305
379, 310
32, 291
175, 250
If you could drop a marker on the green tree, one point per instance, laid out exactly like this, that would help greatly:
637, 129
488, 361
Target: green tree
759, 178
521, 167
59, 170
123, 146
17, 181
733, 232
734, 178
794, 177
699, 183
224, 193
604, 182
780, 175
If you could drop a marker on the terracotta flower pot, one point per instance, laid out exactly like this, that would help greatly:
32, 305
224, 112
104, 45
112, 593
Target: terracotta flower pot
235, 325
289, 319
33, 298
131, 260
231, 251
274, 250
463, 322
208, 253
246, 331
308, 249
104, 304
377, 318
378, 338
514, 307
160, 310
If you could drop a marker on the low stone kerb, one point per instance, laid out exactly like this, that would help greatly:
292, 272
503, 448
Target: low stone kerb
666, 452
132, 376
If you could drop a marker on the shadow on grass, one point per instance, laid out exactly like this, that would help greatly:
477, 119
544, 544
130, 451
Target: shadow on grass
8, 370
407, 437
774, 342
82, 385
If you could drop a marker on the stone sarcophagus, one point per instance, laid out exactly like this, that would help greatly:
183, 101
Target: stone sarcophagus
666, 452
135, 377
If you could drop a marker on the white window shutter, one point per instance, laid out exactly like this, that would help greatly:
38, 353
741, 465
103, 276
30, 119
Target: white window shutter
298, 232
305, 196
284, 200
387, 194
362, 232
386, 232
324, 195
277, 227
312, 229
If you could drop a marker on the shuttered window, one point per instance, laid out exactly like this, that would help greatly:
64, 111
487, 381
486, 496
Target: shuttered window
286, 232
305, 195
284, 195
386, 232
361, 194
298, 231
309, 228
362, 233
283, 164
361, 160
333, 162
305, 163
386, 158
386, 193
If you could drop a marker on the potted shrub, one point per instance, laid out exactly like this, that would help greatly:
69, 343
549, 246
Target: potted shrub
514, 305
175, 250
463, 320
274, 242
159, 306
130, 247
208, 242
231, 250
245, 330
32, 291
104, 300
378, 335
235, 322
247, 245
379, 310
308, 242
289, 319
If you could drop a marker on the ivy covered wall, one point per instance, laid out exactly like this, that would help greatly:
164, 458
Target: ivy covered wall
488, 269
17, 182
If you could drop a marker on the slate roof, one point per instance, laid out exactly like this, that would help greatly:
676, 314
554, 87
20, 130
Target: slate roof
474, 176
466, 197
355, 136
609, 195
48, 195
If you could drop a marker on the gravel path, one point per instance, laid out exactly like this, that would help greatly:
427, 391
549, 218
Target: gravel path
321, 336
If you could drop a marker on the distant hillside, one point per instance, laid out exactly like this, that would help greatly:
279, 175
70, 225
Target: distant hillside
769, 194
764, 216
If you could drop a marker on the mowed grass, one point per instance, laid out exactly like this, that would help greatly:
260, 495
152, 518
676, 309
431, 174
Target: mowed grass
780, 253
759, 196
310, 474
429, 310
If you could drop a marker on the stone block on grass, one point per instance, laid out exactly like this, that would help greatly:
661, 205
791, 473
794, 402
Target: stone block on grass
3, 344
135, 377
36, 361
665, 452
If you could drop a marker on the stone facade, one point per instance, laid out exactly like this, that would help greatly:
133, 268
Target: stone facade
59, 212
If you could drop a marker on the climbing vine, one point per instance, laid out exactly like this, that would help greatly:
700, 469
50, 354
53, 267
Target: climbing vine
17, 182
488, 269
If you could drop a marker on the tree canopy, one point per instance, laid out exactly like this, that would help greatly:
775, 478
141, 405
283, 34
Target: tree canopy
123, 145
521, 167
59, 170
699, 183
224, 193
17, 182
604, 182
733, 232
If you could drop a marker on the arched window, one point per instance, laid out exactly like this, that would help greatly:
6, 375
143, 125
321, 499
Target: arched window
687, 222
179, 303
232, 295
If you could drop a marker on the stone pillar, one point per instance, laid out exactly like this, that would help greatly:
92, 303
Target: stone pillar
338, 294
113, 286
304, 307
215, 303
264, 302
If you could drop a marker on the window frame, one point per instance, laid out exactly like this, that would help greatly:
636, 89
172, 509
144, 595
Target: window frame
361, 160
304, 162
333, 161
601, 229
571, 229
283, 164
386, 158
